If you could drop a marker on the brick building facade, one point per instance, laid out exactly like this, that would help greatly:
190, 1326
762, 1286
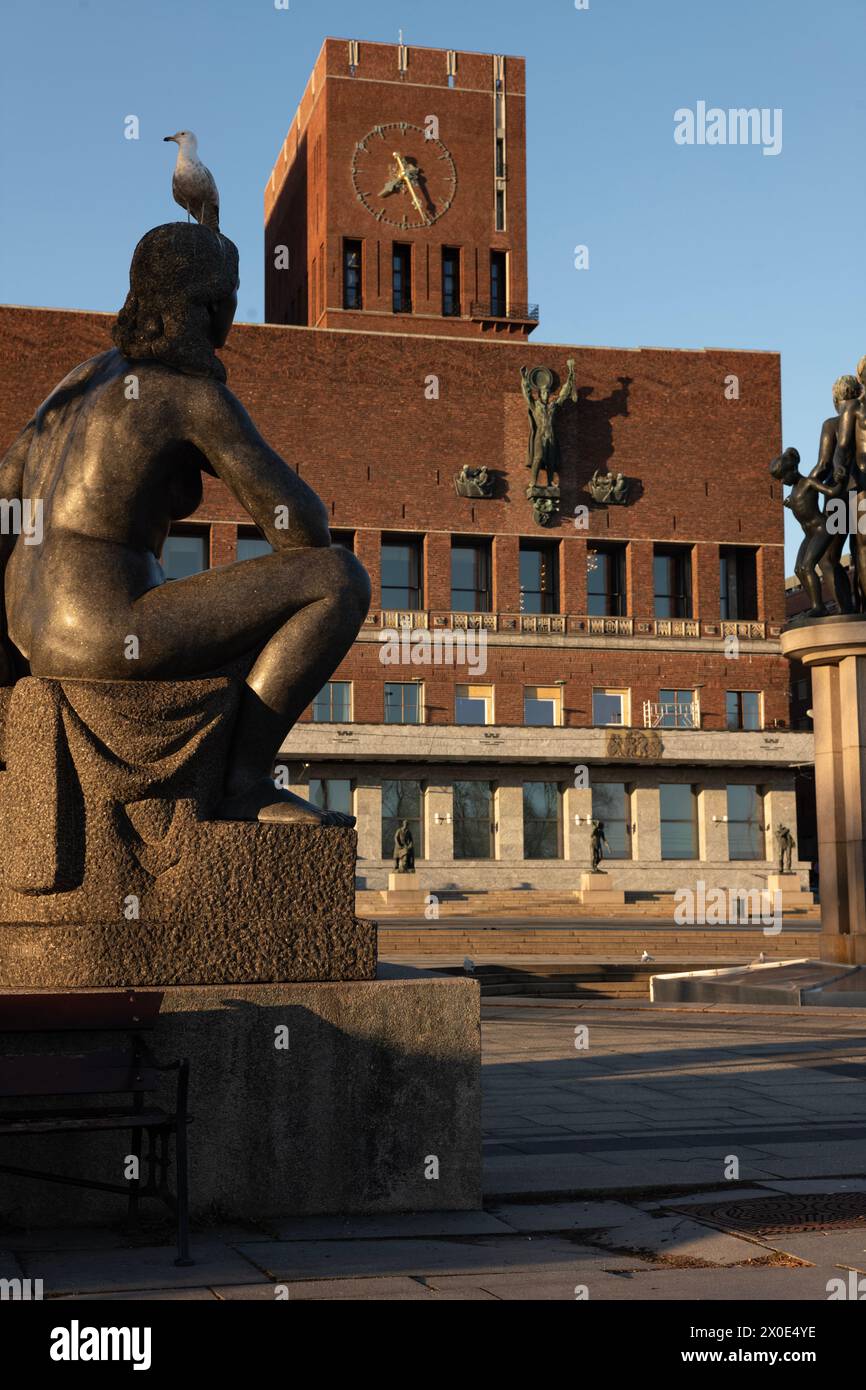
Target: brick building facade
621, 662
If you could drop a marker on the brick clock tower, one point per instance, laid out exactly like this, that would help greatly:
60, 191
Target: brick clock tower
398, 200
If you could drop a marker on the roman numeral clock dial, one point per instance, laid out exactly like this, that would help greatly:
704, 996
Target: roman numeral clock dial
402, 177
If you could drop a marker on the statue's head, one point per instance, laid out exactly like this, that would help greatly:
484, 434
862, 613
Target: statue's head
846, 388
183, 285
861, 370
785, 468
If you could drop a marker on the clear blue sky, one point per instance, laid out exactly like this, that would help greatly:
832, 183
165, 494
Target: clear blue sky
689, 246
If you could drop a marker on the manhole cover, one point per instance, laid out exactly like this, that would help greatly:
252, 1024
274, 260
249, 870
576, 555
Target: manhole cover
787, 1213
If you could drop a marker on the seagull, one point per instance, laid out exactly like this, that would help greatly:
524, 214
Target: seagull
760, 960
193, 186
646, 956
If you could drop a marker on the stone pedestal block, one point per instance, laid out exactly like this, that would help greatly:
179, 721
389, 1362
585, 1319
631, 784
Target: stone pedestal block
113, 871
598, 890
404, 890
791, 889
306, 1099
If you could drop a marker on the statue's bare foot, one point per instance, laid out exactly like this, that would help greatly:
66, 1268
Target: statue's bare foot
265, 802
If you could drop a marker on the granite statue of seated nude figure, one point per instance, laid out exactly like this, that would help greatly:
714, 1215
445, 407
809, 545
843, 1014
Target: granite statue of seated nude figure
114, 456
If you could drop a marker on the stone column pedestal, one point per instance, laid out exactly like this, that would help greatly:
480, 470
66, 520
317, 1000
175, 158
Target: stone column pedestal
597, 890
835, 651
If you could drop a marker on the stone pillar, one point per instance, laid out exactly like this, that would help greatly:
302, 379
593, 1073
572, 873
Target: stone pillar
646, 840
439, 839
835, 650
577, 801
509, 820
713, 834
368, 813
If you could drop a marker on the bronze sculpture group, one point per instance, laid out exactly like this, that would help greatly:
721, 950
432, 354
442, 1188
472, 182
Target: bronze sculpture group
839, 476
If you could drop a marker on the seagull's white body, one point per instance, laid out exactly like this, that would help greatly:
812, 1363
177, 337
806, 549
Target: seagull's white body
193, 185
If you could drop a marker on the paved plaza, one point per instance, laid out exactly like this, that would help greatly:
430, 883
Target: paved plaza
605, 1177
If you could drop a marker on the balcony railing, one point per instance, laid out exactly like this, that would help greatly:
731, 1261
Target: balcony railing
667, 715
487, 309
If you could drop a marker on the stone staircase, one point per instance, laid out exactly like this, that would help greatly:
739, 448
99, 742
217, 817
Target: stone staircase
668, 945
529, 904
549, 980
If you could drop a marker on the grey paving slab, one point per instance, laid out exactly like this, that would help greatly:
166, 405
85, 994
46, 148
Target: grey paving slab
116, 1271
294, 1260
142, 1296
431, 1223
812, 1185
682, 1238
397, 1289
564, 1216
731, 1193
824, 1248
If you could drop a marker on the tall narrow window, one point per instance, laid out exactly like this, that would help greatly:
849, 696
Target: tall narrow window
539, 577
605, 581
611, 803
498, 284
450, 282
743, 709
738, 583
542, 820
470, 576
331, 794
745, 822
473, 820
672, 576
500, 157
352, 291
678, 807
401, 801
402, 583
500, 209
402, 278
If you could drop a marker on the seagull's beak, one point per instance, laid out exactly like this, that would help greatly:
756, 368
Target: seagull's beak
168, 137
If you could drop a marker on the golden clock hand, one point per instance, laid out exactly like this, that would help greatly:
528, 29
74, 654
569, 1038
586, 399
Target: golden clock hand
406, 179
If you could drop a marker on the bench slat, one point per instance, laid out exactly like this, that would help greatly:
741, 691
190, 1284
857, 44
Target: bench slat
44, 1012
89, 1073
50, 1122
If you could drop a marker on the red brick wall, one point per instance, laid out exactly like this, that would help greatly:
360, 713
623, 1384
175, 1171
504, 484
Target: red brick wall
348, 410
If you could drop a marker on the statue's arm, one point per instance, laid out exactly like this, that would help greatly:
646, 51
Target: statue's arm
287, 511
568, 389
845, 437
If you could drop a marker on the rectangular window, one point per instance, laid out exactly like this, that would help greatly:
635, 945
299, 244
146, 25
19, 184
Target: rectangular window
251, 544
500, 157
542, 705
610, 707
332, 794
745, 823
473, 704
403, 702
451, 282
402, 278
678, 809
542, 821
605, 581
678, 709
743, 709
346, 539
672, 576
473, 820
402, 572
184, 554
402, 801
470, 576
500, 209
353, 297
738, 583
539, 577
333, 704
611, 804
498, 284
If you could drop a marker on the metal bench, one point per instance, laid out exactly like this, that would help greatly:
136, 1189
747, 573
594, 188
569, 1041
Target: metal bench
128, 1069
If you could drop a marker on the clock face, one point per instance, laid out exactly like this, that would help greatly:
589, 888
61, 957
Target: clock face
402, 177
